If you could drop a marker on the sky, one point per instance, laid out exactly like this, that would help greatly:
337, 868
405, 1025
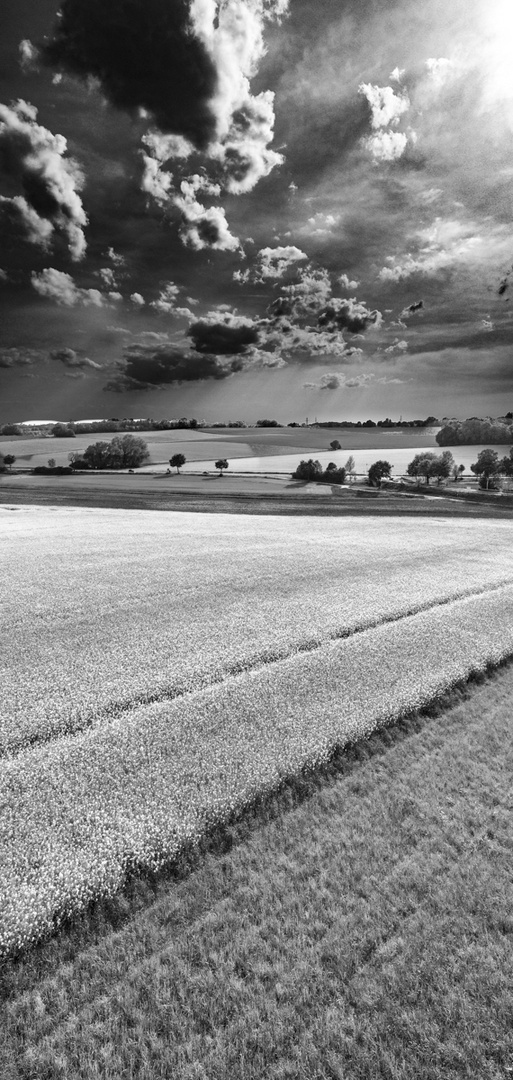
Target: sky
256, 209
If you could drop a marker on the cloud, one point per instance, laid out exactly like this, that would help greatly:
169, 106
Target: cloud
444, 244
306, 296
115, 257
411, 309
33, 159
273, 263
346, 282
107, 276
29, 55
386, 109
58, 286
146, 367
326, 382
397, 347
386, 106
166, 303
20, 357
72, 359
321, 224
335, 381
387, 145
137, 299
350, 315
229, 336
187, 66
3, 275
203, 227
144, 56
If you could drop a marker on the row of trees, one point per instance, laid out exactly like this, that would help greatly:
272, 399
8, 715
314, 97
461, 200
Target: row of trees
475, 431
424, 467
178, 460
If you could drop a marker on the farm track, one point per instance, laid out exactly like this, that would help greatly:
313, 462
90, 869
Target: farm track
253, 664
83, 813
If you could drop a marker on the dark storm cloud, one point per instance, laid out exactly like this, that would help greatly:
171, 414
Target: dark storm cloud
14, 357
144, 55
221, 338
147, 367
411, 309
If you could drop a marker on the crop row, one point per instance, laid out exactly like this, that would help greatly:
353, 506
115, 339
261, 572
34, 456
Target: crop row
77, 813
101, 610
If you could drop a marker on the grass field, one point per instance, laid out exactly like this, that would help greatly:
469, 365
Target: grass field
164, 670
355, 925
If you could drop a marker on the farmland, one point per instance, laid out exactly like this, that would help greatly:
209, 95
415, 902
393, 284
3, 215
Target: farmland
165, 670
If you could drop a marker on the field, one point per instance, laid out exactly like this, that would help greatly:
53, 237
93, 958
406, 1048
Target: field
260, 459
356, 925
165, 670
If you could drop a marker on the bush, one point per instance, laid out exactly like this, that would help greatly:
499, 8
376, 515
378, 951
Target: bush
11, 429
123, 452
308, 470
63, 431
53, 470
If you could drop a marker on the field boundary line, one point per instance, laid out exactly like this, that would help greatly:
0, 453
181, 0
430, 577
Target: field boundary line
258, 662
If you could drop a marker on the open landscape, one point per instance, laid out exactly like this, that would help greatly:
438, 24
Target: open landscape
166, 685
252, 450
256, 754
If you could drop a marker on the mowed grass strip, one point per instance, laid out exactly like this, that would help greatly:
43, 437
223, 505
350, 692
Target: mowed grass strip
102, 610
363, 931
78, 814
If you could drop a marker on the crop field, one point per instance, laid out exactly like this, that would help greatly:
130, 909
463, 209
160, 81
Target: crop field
161, 671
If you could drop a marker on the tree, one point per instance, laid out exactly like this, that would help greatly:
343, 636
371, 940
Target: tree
177, 461
378, 471
457, 472
335, 445
442, 466
97, 455
505, 465
423, 465
11, 429
132, 449
308, 470
486, 466
51, 463
9, 460
63, 431
333, 474
221, 465
350, 467
123, 452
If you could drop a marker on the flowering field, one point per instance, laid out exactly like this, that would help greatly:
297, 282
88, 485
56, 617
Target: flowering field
162, 669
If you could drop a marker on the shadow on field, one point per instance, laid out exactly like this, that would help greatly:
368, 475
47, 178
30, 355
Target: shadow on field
142, 888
